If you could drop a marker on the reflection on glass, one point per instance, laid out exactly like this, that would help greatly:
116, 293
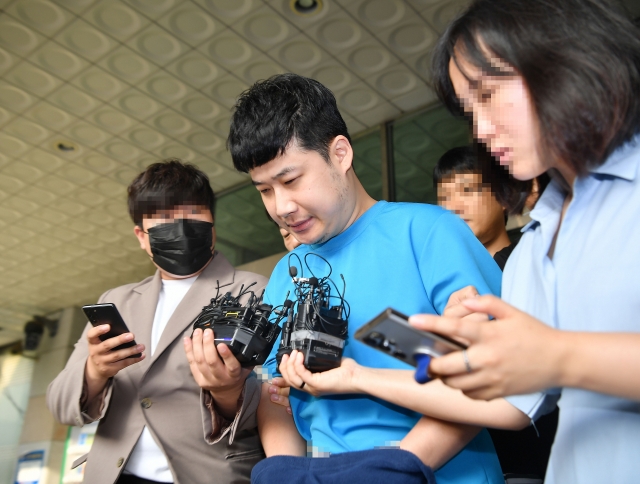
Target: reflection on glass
418, 143
367, 162
244, 233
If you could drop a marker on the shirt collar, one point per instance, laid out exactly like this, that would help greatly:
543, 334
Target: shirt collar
620, 164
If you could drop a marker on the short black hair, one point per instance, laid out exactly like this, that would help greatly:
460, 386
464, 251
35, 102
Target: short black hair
461, 159
580, 60
509, 192
273, 113
167, 185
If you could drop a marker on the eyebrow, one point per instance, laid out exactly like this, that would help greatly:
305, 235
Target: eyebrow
278, 175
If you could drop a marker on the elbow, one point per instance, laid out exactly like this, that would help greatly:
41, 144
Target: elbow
517, 421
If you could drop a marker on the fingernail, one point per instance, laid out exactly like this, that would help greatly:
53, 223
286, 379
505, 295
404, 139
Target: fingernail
273, 389
128, 337
275, 398
289, 411
139, 348
104, 327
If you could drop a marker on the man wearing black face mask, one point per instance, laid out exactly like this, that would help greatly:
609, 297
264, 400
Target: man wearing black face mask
161, 414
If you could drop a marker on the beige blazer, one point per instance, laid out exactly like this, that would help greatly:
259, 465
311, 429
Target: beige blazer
160, 392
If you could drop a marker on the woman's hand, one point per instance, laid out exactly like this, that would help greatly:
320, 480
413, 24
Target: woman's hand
338, 380
279, 393
514, 354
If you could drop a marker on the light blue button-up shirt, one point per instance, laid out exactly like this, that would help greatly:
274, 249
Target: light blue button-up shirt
591, 284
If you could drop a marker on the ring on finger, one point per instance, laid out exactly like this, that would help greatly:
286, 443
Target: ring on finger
466, 361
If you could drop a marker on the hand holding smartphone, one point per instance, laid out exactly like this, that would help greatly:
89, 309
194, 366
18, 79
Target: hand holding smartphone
391, 333
107, 313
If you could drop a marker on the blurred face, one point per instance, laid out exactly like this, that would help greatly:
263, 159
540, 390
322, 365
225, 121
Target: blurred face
307, 196
463, 194
503, 115
194, 212
290, 242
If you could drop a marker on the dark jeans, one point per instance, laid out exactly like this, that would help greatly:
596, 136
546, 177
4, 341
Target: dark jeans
378, 466
131, 479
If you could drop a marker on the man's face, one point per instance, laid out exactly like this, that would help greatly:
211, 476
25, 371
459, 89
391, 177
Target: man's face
194, 212
464, 194
307, 195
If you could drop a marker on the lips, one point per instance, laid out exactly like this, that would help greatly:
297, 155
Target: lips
300, 226
503, 155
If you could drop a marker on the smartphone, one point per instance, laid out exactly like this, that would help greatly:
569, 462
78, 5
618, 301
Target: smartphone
108, 313
391, 333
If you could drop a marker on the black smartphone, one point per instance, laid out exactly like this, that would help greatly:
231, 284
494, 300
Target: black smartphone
391, 333
108, 313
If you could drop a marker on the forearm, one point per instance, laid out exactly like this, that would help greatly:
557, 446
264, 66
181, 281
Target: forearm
278, 432
436, 399
436, 441
601, 362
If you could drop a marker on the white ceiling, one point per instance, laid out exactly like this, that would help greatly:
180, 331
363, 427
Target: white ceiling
129, 82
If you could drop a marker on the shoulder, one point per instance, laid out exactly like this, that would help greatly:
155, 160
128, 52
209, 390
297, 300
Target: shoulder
409, 211
244, 277
418, 215
125, 290
423, 222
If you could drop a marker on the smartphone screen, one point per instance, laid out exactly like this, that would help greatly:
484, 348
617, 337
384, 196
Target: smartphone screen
100, 314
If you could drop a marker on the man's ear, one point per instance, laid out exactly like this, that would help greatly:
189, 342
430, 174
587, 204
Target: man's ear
140, 234
341, 153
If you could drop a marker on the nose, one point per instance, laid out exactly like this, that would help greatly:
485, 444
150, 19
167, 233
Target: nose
483, 126
284, 204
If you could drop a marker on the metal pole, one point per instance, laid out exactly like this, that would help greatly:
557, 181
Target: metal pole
387, 165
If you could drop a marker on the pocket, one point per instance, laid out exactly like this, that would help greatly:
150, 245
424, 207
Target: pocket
246, 454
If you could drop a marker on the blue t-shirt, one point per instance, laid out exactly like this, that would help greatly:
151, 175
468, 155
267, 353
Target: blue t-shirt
410, 257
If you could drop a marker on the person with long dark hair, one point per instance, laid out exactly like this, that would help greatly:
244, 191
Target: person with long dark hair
552, 86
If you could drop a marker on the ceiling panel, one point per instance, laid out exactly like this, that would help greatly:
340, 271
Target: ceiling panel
93, 91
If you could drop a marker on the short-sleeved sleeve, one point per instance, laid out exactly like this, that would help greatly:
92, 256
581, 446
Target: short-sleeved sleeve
451, 258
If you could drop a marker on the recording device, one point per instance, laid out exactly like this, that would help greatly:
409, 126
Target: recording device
107, 313
391, 333
316, 328
244, 328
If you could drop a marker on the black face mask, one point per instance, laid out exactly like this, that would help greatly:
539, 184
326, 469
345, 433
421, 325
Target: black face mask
182, 247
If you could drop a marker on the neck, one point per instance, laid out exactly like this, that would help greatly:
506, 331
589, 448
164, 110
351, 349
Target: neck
363, 202
497, 243
565, 175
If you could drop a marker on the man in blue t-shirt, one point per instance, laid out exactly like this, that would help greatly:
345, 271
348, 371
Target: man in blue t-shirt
287, 133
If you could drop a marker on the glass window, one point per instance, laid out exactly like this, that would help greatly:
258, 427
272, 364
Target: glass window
418, 143
244, 233
367, 162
